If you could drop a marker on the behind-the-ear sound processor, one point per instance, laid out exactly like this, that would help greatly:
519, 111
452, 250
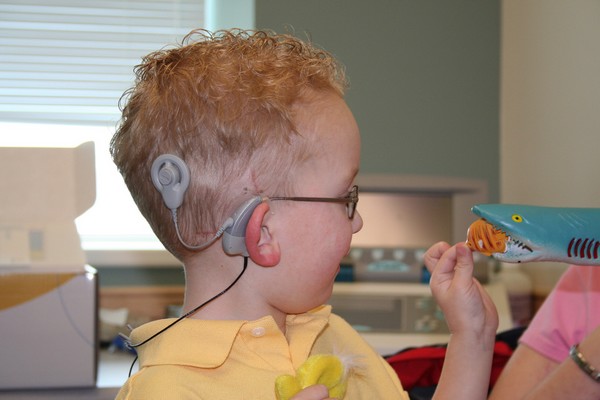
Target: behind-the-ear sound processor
171, 177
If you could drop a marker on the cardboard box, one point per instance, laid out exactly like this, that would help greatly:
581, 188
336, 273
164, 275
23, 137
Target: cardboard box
48, 328
48, 296
45, 189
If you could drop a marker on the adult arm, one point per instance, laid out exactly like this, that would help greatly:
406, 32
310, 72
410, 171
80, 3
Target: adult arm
525, 369
530, 376
541, 367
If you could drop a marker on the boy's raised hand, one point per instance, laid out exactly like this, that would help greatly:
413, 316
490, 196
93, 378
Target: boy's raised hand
466, 305
472, 319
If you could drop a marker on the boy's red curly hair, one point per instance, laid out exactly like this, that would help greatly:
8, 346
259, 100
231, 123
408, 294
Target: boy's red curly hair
224, 102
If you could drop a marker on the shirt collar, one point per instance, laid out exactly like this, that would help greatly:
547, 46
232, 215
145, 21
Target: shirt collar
186, 342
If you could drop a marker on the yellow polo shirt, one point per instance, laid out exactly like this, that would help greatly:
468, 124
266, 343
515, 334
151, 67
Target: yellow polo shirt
203, 359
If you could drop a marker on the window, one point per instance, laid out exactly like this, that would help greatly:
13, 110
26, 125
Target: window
66, 61
63, 66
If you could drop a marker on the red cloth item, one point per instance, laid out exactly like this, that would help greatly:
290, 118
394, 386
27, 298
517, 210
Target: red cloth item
422, 366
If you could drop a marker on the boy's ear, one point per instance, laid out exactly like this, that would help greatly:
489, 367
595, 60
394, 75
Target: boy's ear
262, 248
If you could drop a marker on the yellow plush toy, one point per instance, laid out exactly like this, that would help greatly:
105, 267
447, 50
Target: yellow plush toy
323, 369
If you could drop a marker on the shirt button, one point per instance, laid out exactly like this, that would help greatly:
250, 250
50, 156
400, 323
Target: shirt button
258, 331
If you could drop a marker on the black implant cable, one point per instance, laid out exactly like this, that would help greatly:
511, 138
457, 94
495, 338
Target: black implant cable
133, 346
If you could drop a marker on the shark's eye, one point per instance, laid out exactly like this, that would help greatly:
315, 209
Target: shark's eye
517, 218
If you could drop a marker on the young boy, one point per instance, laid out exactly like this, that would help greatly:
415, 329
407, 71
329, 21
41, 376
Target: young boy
241, 153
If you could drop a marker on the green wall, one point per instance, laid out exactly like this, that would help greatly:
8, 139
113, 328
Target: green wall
136, 276
424, 78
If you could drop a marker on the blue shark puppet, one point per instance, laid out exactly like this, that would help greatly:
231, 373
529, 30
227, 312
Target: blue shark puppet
521, 233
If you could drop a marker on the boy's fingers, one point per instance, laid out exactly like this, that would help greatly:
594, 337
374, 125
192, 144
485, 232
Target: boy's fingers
464, 264
434, 254
315, 392
456, 265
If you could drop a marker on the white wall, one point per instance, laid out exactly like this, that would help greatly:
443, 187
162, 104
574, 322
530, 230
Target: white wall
550, 109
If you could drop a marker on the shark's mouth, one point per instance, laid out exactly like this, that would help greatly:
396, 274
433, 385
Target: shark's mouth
488, 239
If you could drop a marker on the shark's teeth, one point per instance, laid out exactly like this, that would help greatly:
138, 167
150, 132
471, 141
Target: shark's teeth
520, 244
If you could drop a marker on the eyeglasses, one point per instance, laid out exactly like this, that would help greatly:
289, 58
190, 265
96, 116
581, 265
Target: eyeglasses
351, 200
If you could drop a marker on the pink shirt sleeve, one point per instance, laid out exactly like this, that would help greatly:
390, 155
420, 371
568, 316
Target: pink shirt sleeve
570, 313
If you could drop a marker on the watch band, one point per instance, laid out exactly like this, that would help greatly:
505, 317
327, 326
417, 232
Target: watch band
582, 363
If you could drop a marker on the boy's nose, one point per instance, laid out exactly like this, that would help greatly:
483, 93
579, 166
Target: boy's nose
357, 222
